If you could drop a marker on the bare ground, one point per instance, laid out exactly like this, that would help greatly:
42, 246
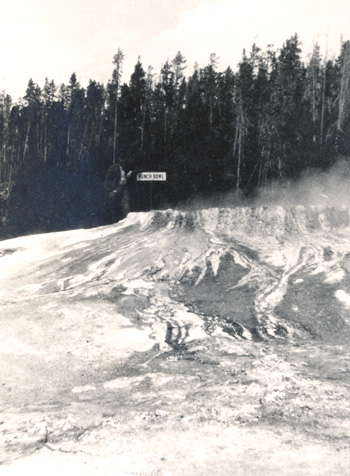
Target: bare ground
113, 364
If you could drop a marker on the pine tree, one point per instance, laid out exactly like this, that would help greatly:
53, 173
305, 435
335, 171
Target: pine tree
31, 113
179, 66
243, 105
94, 111
168, 91
75, 103
5, 148
287, 98
115, 84
49, 98
137, 89
344, 93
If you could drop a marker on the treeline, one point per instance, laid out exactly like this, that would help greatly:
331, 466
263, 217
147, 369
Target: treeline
210, 131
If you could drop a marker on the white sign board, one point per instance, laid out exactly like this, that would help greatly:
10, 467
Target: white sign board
151, 176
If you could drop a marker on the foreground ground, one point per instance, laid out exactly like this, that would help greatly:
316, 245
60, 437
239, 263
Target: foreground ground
211, 343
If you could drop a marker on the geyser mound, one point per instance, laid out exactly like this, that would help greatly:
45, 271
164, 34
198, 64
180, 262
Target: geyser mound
260, 220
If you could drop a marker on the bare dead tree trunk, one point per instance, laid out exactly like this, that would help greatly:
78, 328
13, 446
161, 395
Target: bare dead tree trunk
25, 149
118, 62
314, 88
239, 140
83, 140
344, 87
68, 142
115, 129
323, 105
165, 123
9, 183
238, 179
235, 143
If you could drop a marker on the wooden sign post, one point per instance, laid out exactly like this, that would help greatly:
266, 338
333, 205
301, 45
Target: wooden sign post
151, 177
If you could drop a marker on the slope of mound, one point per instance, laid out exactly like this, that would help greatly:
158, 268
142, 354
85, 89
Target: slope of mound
228, 327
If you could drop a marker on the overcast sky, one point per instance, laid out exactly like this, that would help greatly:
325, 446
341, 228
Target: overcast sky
53, 38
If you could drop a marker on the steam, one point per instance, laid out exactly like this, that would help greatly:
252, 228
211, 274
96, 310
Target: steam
315, 188
329, 188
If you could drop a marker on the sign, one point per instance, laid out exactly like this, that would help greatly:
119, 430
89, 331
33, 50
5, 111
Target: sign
151, 177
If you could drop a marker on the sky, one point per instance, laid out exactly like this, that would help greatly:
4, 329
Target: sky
54, 38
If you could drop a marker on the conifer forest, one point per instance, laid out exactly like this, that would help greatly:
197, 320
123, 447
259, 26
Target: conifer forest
271, 117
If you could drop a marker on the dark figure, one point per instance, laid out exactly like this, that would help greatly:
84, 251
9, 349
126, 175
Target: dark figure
116, 194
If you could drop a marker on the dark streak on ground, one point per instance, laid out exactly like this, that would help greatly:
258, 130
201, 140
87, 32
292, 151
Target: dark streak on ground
311, 305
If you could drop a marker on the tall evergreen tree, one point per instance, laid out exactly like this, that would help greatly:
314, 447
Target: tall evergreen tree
31, 114
343, 98
287, 97
115, 84
243, 118
6, 166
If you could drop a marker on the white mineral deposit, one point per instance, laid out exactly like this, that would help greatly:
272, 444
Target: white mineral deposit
205, 342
